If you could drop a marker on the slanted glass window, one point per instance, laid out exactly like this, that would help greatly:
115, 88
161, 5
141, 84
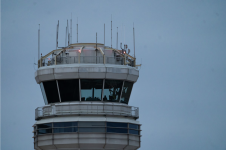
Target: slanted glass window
112, 90
69, 90
65, 124
126, 91
133, 126
117, 130
91, 124
51, 91
43, 93
134, 132
116, 124
44, 131
60, 130
91, 129
91, 89
43, 126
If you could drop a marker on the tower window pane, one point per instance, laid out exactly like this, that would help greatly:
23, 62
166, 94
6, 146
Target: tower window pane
134, 132
117, 130
127, 88
116, 124
44, 131
133, 126
69, 90
51, 91
112, 90
60, 130
43, 126
65, 124
91, 129
91, 124
91, 90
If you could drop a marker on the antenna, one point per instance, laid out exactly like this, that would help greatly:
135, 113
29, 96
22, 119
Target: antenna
77, 29
104, 34
71, 30
111, 31
39, 42
134, 40
68, 33
117, 39
96, 40
66, 38
57, 32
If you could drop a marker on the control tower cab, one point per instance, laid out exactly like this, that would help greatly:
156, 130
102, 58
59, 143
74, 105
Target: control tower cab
86, 88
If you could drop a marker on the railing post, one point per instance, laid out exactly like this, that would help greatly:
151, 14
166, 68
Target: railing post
79, 58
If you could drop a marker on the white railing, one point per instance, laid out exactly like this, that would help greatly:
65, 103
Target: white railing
86, 109
83, 60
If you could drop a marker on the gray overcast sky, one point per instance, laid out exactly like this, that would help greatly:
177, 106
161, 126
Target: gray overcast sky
181, 91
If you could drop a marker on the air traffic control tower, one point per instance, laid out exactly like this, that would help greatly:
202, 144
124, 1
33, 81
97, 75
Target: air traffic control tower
86, 88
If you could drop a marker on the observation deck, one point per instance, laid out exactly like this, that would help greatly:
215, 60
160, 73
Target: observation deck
86, 88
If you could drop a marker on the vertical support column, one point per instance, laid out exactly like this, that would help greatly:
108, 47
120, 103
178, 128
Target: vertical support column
79, 57
121, 91
104, 58
58, 90
80, 90
102, 94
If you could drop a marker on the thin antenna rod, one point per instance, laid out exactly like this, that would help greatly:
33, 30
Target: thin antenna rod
117, 39
77, 29
39, 42
68, 34
66, 38
134, 40
71, 31
111, 31
57, 32
96, 47
104, 34
56, 35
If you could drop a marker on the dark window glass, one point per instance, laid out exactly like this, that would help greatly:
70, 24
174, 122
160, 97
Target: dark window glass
133, 126
115, 124
47, 125
91, 129
65, 124
44, 131
91, 90
69, 90
134, 132
112, 90
59, 130
51, 91
91, 124
117, 130
127, 88
43, 93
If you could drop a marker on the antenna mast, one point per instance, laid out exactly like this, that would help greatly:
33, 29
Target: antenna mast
77, 29
71, 30
134, 40
57, 34
68, 34
39, 42
66, 38
117, 39
104, 34
111, 31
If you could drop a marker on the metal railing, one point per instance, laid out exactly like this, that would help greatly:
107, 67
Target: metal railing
83, 60
86, 109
